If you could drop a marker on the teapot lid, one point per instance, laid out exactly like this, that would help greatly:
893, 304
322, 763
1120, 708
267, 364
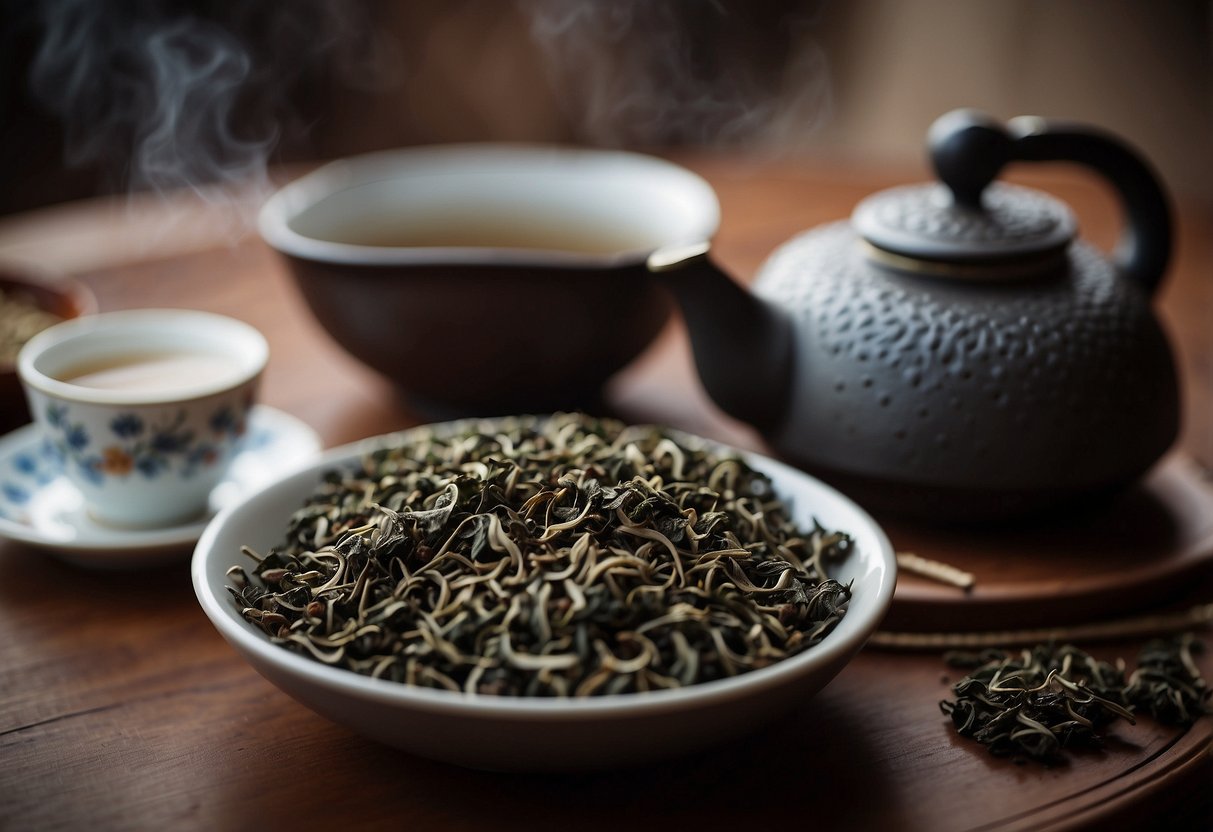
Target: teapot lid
927, 222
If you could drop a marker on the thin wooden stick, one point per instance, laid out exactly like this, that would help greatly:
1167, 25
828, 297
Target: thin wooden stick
1147, 625
935, 570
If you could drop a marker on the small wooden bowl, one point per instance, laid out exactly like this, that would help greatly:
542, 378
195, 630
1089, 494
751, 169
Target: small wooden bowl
60, 296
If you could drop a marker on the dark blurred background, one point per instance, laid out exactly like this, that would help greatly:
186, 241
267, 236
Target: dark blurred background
98, 96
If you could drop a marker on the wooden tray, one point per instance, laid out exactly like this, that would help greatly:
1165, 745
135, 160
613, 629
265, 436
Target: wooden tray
1142, 550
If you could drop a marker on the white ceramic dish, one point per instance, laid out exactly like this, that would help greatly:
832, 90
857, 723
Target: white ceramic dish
544, 734
41, 508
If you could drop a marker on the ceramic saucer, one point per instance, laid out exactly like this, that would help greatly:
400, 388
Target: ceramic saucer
40, 507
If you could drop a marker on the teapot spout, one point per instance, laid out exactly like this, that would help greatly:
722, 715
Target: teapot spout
744, 347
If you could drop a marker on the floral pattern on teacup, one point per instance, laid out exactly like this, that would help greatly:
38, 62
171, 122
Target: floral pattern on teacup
133, 445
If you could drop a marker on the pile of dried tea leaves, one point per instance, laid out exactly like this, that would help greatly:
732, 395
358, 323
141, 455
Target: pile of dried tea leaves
21, 318
565, 556
1041, 701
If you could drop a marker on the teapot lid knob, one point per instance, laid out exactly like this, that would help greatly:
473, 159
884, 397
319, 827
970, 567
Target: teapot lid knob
967, 217
968, 150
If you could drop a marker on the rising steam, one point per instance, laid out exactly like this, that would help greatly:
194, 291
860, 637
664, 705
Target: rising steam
158, 95
162, 100
660, 72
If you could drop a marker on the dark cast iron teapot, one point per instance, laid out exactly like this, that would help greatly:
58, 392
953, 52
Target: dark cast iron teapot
953, 351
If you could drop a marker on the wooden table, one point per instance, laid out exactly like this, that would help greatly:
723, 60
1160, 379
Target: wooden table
121, 707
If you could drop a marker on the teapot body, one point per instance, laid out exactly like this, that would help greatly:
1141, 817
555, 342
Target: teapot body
953, 352
934, 396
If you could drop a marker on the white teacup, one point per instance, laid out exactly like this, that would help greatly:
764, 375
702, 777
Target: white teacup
147, 407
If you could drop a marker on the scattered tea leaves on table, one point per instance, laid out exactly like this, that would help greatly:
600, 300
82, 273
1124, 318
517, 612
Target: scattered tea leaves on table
1041, 701
1167, 683
1035, 702
565, 556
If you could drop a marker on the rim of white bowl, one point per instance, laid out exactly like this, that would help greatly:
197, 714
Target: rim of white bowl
282, 208
848, 636
242, 341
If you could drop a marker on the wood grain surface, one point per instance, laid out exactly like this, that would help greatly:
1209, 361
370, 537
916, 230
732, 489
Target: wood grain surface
121, 707
1125, 556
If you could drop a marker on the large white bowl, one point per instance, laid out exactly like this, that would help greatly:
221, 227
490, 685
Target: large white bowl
507, 733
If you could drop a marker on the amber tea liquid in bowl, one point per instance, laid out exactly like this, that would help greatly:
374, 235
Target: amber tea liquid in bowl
489, 278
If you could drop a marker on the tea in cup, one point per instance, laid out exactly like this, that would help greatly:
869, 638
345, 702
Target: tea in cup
146, 407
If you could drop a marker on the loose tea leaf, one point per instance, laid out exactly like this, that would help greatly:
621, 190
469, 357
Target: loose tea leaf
1041, 701
554, 557
1167, 683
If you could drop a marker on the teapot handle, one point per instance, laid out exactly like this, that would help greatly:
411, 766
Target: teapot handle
969, 149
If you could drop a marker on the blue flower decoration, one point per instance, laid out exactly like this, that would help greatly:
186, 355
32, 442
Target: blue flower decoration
91, 469
126, 425
172, 443
77, 437
25, 463
153, 449
55, 414
15, 494
150, 466
223, 420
